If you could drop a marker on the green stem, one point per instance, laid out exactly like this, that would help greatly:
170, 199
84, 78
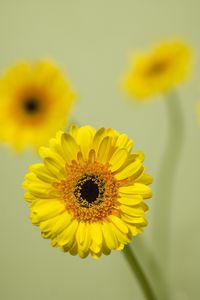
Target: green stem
153, 268
166, 175
139, 273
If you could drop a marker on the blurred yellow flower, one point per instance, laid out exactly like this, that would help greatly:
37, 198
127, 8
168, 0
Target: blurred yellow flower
35, 100
88, 194
158, 70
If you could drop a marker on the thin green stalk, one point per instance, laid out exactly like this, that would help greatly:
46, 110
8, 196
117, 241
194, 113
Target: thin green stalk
139, 273
153, 267
166, 175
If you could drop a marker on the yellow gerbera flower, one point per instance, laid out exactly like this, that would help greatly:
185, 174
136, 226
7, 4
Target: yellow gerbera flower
35, 100
157, 71
87, 195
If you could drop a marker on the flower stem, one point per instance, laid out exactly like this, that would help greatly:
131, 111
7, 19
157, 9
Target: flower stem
139, 273
166, 175
153, 268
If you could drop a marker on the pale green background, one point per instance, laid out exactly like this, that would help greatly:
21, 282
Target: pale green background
91, 40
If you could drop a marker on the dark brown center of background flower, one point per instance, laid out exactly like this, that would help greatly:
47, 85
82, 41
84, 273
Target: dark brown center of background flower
158, 67
31, 105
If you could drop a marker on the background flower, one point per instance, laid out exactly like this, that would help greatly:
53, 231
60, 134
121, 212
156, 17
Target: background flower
35, 101
88, 195
158, 70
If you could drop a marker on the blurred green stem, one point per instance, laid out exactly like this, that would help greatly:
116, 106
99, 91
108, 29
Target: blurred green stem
153, 268
139, 273
166, 175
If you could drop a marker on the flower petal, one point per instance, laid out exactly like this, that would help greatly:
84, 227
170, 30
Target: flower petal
104, 150
68, 234
81, 232
124, 142
136, 189
129, 170
118, 159
132, 211
62, 223
130, 200
84, 139
118, 223
109, 236
47, 209
70, 147
42, 173
96, 233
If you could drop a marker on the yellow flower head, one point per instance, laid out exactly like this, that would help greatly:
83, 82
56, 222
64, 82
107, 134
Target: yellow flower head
88, 194
35, 100
158, 70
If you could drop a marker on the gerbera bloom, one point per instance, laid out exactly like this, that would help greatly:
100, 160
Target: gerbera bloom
35, 100
158, 70
87, 195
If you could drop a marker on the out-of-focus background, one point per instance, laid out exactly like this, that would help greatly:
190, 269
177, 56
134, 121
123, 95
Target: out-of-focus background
91, 40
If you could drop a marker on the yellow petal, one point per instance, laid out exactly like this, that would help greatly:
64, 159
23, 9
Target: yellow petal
68, 234
29, 197
118, 159
47, 209
29, 178
129, 170
120, 247
136, 189
81, 232
82, 254
46, 226
134, 220
130, 200
85, 245
42, 173
124, 142
45, 152
118, 223
40, 190
98, 137
52, 167
105, 249
74, 131
109, 236
73, 249
132, 211
134, 230
139, 155
55, 144
96, 255
92, 155
70, 147
122, 238
96, 233
104, 150
62, 222
94, 247
85, 137
145, 178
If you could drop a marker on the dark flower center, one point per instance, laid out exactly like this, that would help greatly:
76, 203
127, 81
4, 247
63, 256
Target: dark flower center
158, 67
89, 189
31, 105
